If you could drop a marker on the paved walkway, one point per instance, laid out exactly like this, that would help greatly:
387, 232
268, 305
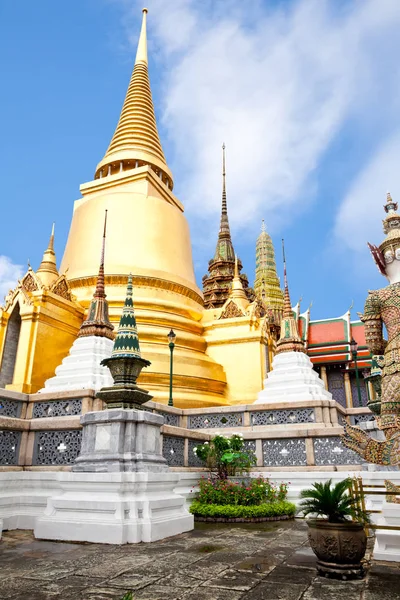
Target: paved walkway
214, 562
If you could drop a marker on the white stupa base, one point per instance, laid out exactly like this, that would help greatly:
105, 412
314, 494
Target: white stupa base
387, 541
115, 508
81, 369
292, 378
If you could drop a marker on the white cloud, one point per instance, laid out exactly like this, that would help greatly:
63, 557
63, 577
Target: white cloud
277, 82
361, 213
9, 275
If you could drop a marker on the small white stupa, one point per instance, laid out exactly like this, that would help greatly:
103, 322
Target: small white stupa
81, 369
292, 377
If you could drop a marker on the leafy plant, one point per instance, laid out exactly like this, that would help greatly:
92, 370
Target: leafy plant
272, 509
224, 492
226, 456
335, 503
128, 596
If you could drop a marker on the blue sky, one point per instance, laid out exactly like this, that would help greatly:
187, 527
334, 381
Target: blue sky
305, 94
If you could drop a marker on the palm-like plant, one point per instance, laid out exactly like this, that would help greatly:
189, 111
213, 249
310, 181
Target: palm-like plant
335, 503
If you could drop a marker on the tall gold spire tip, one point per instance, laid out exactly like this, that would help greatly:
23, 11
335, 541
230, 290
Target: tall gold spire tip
141, 54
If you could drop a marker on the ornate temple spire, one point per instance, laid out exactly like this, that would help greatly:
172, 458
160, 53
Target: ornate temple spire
97, 321
47, 270
287, 308
224, 249
289, 340
136, 141
127, 341
217, 283
266, 286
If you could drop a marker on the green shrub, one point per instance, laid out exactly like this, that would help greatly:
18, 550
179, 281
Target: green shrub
223, 491
272, 509
226, 456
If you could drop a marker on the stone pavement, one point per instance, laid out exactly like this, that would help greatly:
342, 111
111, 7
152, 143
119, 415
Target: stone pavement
270, 561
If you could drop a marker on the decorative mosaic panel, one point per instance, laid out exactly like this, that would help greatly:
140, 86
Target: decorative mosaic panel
173, 450
194, 461
354, 391
215, 421
57, 408
10, 408
356, 419
169, 419
249, 446
57, 447
284, 453
283, 417
336, 386
9, 447
331, 451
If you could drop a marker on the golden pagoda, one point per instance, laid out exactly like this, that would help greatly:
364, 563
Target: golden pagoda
148, 236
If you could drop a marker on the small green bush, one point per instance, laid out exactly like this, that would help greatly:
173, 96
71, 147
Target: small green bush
273, 509
226, 456
256, 491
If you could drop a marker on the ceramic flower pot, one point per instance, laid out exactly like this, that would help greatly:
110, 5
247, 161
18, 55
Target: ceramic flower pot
339, 547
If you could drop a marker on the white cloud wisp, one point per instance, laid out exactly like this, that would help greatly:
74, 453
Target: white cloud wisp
9, 275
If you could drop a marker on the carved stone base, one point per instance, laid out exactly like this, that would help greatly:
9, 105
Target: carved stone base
124, 395
121, 440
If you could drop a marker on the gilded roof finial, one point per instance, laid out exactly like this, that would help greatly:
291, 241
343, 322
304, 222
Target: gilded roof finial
47, 270
97, 321
51, 241
237, 290
141, 53
289, 340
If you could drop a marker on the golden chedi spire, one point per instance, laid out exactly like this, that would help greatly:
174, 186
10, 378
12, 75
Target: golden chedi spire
266, 285
47, 270
218, 282
289, 340
97, 321
136, 141
237, 292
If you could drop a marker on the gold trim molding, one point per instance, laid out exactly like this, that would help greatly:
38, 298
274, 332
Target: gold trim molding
139, 281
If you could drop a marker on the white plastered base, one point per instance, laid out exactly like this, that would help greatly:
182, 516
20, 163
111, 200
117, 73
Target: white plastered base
81, 369
292, 378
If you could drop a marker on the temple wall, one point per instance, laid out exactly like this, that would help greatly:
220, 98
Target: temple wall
43, 432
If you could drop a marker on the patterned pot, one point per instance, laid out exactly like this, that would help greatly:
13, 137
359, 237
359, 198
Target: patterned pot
125, 369
339, 547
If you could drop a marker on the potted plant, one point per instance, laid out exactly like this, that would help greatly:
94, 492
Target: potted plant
337, 534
